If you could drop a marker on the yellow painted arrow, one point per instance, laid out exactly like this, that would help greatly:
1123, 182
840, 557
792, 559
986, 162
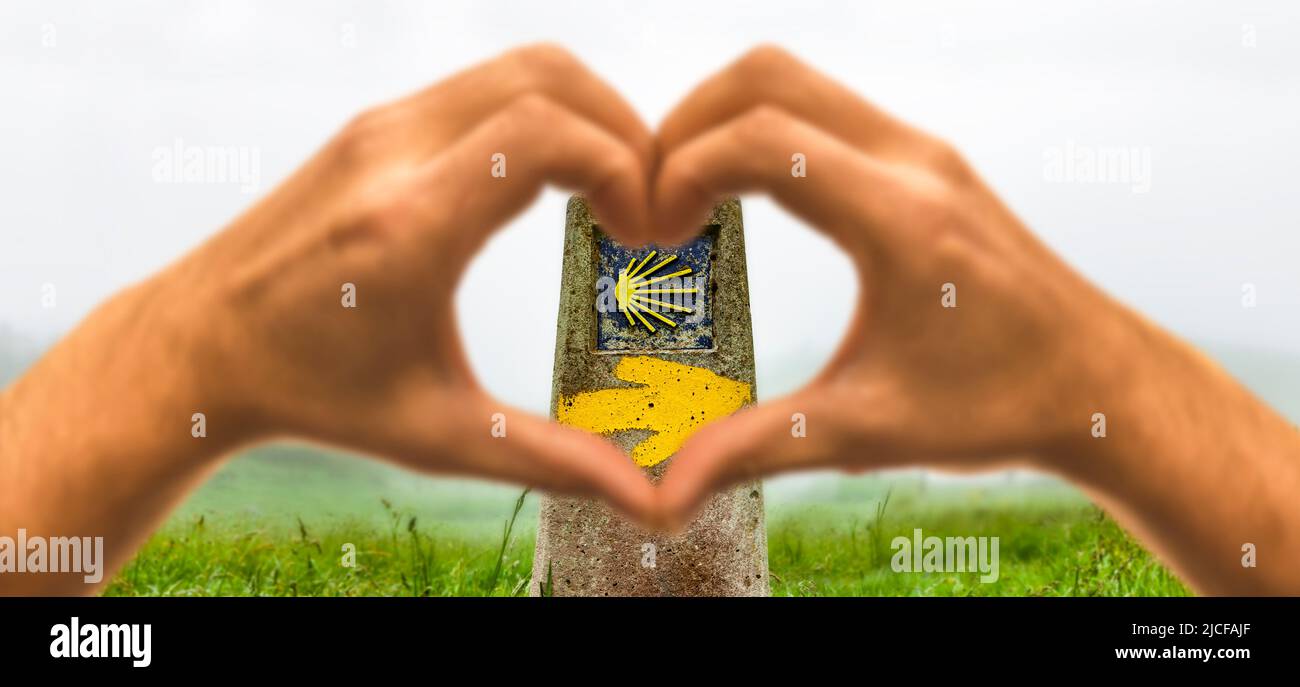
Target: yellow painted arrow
673, 400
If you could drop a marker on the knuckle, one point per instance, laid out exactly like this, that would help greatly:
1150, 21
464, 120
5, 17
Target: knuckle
380, 214
763, 60
679, 174
534, 122
534, 110
944, 158
762, 122
940, 215
618, 165
935, 210
360, 136
534, 105
623, 162
950, 248
546, 62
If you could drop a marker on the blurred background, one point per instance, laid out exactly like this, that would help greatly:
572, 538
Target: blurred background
1196, 227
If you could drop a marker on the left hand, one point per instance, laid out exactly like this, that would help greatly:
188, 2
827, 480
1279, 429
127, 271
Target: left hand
1014, 368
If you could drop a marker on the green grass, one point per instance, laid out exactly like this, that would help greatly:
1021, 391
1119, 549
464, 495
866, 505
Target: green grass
203, 558
1065, 550
277, 523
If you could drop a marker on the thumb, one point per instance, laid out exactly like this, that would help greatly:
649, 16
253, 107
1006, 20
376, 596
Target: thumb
552, 457
764, 439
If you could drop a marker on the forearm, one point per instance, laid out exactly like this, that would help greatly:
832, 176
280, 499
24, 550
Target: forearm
262, 331
96, 440
1199, 469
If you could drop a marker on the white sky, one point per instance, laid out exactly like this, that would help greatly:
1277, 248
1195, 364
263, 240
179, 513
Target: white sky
79, 122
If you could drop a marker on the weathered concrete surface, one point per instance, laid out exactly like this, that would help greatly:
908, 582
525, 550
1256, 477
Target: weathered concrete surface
586, 548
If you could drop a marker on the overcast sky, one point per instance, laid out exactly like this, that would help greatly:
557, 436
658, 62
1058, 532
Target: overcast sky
1210, 91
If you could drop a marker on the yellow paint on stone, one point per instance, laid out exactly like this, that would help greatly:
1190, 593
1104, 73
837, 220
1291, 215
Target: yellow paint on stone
673, 400
634, 285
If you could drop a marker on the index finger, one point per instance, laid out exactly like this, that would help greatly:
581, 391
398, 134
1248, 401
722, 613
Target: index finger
768, 75
856, 199
460, 102
536, 141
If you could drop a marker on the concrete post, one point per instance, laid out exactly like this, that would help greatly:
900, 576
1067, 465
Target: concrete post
651, 343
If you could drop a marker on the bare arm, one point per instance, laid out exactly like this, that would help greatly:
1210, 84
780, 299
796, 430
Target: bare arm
253, 329
1200, 469
95, 439
973, 346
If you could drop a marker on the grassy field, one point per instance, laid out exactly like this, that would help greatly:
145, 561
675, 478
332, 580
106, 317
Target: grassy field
276, 522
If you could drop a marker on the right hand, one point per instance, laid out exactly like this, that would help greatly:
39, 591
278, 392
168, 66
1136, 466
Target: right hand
396, 206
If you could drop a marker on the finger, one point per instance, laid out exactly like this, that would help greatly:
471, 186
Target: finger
853, 196
564, 460
792, 433
532, 142
454, 428
459, 103
769, 75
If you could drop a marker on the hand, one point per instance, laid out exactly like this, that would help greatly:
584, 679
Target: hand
395, 206
251, 330
914, 380
1014, 372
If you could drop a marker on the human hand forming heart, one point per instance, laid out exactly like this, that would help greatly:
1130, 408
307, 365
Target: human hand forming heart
972, 344
254, 335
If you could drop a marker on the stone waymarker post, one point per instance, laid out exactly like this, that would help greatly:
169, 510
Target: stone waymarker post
652, 343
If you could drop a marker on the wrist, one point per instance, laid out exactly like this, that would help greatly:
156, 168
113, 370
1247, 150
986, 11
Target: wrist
1123, 374
196, 346
99, 436
143, 365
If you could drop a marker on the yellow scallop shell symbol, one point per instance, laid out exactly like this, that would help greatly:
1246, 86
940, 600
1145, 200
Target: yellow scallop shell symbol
633, 292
